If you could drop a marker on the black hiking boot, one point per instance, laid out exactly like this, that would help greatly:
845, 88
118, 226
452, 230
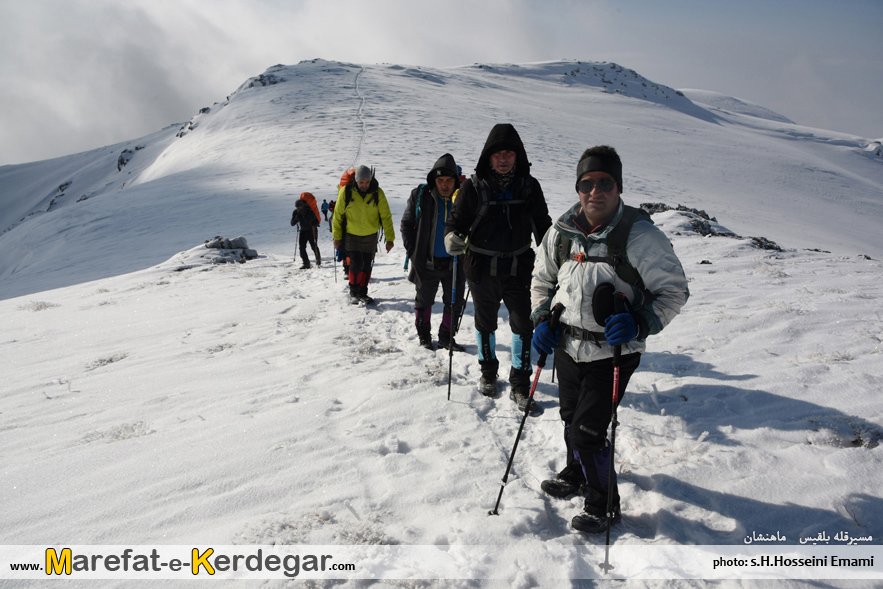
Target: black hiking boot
487, 386
566, 483
594, 524
519, 380
445, 340
366, 300
522, 399
305, 267
425, 340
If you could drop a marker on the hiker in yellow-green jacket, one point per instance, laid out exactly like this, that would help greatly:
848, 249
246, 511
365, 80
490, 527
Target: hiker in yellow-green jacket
361, 211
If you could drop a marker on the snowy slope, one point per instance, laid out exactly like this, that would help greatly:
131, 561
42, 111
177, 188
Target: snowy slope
175, 401
732, 104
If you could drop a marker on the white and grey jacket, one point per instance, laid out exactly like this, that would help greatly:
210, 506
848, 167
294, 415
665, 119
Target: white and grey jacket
574, 283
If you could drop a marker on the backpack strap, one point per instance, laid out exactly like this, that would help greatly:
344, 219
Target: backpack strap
482, 210
348, 198
486, 202
616, 254
420, 192
616, 247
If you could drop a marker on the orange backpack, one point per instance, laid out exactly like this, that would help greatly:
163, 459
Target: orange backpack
311, 200
347, 177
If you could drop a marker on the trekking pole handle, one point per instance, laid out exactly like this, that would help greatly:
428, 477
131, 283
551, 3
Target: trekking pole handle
554, 319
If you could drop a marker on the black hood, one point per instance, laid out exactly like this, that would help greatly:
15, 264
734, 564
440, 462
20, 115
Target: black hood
503, 136
446, 163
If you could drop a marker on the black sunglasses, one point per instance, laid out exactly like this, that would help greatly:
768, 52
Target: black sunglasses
604, 185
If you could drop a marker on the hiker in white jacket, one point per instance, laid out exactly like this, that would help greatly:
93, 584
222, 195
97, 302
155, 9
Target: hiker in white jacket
597, 248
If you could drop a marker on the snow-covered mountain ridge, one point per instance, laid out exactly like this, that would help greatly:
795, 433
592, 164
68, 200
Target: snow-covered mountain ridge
294, 128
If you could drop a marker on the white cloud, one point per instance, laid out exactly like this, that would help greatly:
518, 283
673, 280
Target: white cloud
83, 73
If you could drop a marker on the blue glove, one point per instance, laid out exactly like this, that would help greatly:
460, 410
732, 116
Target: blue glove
544, 339
620, 329
338, 254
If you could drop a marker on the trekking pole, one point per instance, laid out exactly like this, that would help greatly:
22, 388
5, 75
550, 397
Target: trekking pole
456, 327
618, 307
451, 340
541, 362
296, 242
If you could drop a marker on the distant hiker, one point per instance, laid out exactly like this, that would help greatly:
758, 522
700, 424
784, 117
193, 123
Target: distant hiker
360, 214
330, 221
494, 215
325, 209
311, 201
423, 232
578, 256
304, 216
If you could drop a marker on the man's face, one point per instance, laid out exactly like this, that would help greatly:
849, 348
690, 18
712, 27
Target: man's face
364, 184
598, 205
503, 161
444, 185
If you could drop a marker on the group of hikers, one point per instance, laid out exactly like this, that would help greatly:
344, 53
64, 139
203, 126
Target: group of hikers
608, 276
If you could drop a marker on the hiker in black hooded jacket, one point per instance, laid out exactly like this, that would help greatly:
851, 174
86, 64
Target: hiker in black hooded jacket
495, 214
423, 225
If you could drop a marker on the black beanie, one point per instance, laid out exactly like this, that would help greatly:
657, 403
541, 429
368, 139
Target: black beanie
610, 164
445, 166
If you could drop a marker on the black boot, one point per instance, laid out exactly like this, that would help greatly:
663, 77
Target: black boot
593, 520
425, 339
363, 296
568, 482
519, 380
354, 294
594, 523
487, 386
445, 340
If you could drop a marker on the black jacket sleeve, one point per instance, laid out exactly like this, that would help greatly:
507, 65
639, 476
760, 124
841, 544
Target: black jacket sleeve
408, 225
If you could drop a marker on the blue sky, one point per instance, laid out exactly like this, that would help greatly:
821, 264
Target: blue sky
80, 74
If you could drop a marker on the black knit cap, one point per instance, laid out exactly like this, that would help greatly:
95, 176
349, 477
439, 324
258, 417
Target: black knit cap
445, 166
603, 161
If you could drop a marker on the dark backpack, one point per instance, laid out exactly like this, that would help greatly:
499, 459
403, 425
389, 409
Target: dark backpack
482, 189
421, 191
616, 253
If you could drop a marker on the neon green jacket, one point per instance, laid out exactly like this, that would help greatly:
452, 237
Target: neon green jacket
364, 215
